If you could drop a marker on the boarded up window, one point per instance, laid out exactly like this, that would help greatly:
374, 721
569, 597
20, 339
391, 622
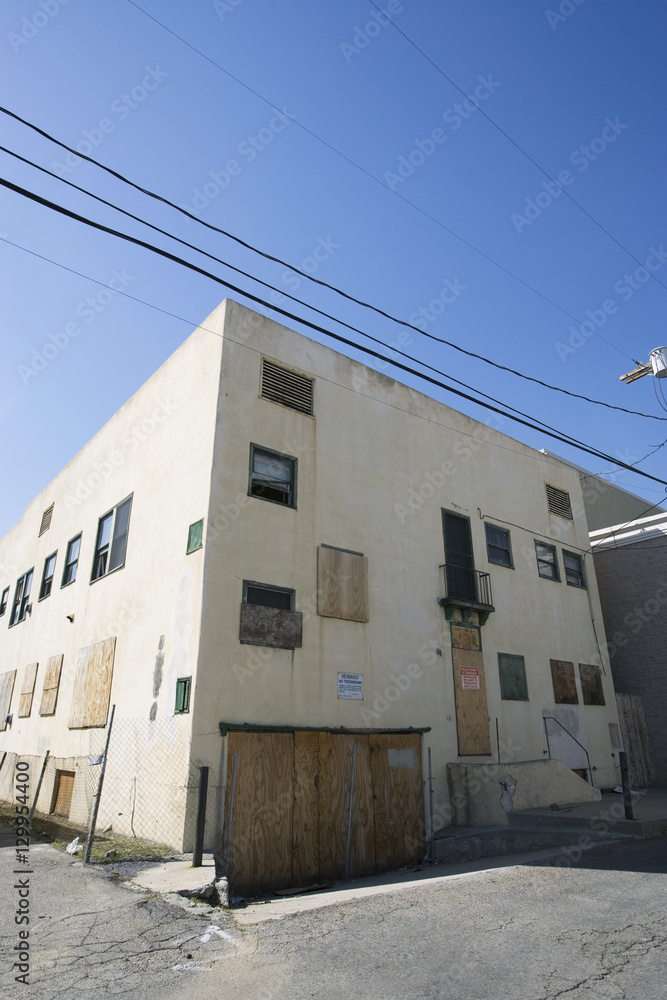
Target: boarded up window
513, 684
27, 690
466, 637
51, 685
342, 582
262, 626
591, 684
6, 691
92, 685
565, 686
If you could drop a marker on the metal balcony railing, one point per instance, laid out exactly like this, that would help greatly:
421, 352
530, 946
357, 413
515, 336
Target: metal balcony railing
470, 586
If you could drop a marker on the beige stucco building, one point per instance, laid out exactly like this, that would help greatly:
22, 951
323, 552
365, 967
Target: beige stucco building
260, 534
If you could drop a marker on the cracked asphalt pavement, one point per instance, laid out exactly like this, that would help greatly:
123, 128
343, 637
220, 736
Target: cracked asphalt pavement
596, 930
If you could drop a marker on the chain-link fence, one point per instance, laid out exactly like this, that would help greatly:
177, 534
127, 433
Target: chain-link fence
149, 792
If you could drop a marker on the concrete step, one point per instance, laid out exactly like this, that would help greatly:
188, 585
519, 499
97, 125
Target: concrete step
470, 843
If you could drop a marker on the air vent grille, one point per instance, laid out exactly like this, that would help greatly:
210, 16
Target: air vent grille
559, 502
286, 387
46, 519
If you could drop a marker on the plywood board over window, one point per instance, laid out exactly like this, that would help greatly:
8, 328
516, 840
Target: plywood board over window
6, 690
27, 690
51, 685
342, 582
92, 685
591, 684
565, 686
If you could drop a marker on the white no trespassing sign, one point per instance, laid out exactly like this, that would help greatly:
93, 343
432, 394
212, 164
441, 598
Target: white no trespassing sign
351, 686
470, 678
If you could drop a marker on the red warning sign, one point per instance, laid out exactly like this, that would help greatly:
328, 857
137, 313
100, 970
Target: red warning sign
470, 678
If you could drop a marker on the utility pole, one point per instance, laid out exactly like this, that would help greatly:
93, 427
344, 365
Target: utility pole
657, 366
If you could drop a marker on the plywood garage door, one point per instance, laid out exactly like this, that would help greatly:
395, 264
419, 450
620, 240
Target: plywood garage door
261, 849
292, 800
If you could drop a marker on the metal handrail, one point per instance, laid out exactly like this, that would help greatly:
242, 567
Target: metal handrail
546, 730
471, 585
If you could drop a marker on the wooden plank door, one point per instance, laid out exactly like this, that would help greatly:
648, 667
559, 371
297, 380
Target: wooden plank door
399, 800
261, 844
64, 792
335, 764
472, 714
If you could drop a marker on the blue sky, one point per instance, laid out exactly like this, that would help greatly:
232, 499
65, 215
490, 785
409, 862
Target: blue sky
376, 176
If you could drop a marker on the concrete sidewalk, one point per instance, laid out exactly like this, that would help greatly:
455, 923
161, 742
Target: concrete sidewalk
577, 827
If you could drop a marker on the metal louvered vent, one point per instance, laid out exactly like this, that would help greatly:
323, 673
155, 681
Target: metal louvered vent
286, 387
559, 502
46, 519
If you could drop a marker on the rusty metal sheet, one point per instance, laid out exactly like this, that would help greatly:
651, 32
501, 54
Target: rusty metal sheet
276, 627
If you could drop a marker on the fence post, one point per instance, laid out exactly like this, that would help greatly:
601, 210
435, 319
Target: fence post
98, 796
39, 785
201, 818
625, 782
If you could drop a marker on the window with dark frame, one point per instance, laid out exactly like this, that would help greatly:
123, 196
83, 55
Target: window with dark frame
547, 561
47, 576
267, 596
3, 601
182, 695
195, 537
513, 683
71, 561
272, 476
21, 603
498, 547
574, 569
111, 540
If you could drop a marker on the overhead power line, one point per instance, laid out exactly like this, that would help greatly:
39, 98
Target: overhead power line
551, 432
516, 145
246, 274
264, 254
375, 179
266, 284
